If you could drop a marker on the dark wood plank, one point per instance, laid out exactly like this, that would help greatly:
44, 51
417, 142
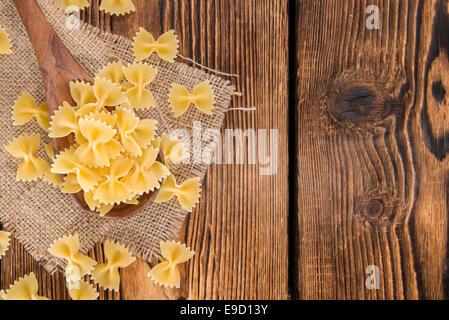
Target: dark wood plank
372, 170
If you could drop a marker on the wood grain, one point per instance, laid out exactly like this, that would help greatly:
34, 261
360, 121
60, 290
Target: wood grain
372, 176
239, 230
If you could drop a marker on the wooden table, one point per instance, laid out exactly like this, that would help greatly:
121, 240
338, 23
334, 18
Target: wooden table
362, 175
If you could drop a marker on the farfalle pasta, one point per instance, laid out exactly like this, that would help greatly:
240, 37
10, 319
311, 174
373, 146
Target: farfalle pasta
114, 190
167, 273
64, 122
173, 149
78, 265
202, 98
112, 72
140, 75
117, 7
4, 242
5, 42
26, 109
187, 193
107, 275
82, 93
166, 46
146, 173
85, 292
73, 4
25, 147
24, 289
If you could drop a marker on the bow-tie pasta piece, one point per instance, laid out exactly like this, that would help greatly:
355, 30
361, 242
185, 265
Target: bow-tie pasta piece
70, 184
78, 265
167, 273
202, 98
188, 193
65, 163
5, 43
101, 147
166, 46
117, 7
107, 94
104, 117
173, 149
64, 122
73, 5
85, 292
146, 173
24, 289
135, 134
32, 168
113, 190
4, 242
112, 72
107, 275
26, 109
82, 93
140, 75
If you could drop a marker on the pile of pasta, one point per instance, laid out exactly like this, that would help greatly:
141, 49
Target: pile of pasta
106, 275
114, 156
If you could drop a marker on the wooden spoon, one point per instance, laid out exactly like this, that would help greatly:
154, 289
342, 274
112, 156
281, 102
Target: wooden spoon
58, 68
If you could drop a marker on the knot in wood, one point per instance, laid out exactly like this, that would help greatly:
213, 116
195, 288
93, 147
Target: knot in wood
373, 209
360, 105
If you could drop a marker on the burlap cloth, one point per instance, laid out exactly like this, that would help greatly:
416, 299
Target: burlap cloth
38, 213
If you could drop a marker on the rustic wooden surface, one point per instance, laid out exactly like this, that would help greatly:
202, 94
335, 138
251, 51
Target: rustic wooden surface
367, 155
239, 230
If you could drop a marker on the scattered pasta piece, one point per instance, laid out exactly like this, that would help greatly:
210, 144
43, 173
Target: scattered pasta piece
173, 149
32, 168
188, 193
100, 147
146, 173
202, 98
73, 4
166, 46
112, 72
65, 163
5, 43
85, 292
167, 273
140, 75
24, 289
135, 134
82, 93
113, 190
117, 7
78, 265
26, 109
4, 242
107, 275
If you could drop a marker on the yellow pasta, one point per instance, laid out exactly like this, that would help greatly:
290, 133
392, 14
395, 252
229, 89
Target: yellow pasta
140, 75
166, 46
24, 147
202, 98
135, 134
50, 177
24, 289
26, 109
85, 292
117, 7
107, 275
187, 193
146, 173
64, 122
73, 4
5, 43
107, 94
113, 190
112, 72
82, 93
100, 147
78, 265
96, 205
4, 242
173, 149
65, 163
70, 184
167, 273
